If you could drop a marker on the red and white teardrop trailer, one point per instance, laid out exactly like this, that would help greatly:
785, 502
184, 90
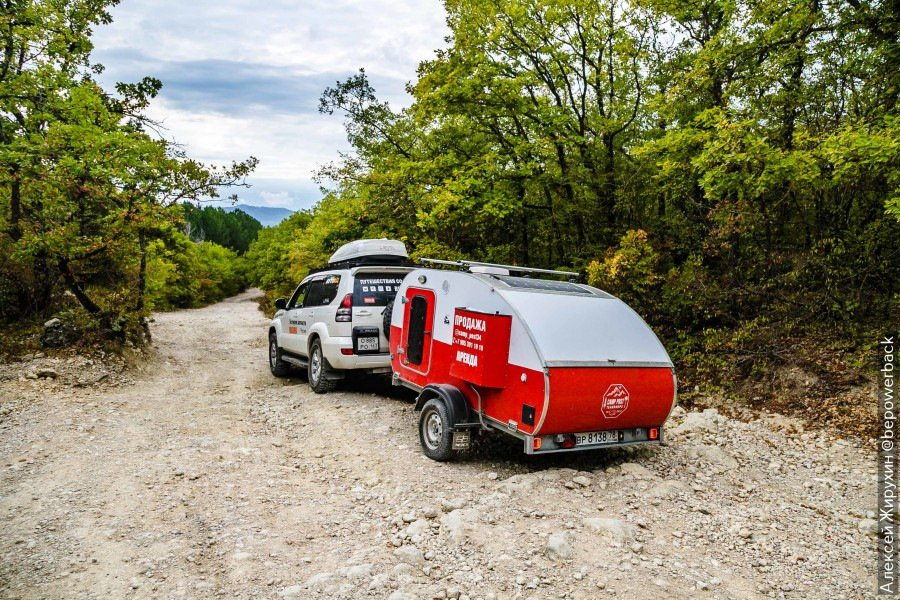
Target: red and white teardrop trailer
562, 366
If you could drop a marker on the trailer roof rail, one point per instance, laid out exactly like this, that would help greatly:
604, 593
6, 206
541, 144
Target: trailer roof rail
473, 263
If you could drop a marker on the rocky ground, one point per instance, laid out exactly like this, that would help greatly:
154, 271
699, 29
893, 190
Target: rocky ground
198, 475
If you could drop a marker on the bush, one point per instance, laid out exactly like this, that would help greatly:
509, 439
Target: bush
221, 273
184, 274
629, 271
268, 259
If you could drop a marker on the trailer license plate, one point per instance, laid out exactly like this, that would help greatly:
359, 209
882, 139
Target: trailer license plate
597, 437
367, 344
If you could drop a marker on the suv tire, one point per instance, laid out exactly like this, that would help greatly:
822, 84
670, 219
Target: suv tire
278, 367
316, 370
386, 320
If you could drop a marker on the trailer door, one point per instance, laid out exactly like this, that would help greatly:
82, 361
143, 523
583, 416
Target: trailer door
418, 323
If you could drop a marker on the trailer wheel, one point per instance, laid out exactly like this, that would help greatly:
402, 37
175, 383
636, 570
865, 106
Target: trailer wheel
434, 430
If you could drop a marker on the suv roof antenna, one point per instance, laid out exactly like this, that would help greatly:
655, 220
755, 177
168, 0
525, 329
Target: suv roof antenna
472, 263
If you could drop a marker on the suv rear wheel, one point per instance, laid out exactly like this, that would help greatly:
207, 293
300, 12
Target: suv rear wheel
316, 370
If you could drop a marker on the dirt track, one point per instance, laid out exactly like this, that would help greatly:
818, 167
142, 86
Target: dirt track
202, 476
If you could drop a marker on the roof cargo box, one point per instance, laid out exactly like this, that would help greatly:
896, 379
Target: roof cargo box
382, 251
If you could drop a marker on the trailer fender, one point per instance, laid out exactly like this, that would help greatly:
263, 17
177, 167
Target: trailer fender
454, 399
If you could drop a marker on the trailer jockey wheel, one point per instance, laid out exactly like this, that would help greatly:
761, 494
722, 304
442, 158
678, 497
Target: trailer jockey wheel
435, 433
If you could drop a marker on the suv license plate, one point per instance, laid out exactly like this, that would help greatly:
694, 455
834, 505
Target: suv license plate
367, 344
597, 437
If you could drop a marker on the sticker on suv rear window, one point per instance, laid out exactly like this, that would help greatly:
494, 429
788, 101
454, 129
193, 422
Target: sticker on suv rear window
376, 289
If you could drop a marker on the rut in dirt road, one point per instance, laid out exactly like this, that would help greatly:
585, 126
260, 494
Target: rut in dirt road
202, 476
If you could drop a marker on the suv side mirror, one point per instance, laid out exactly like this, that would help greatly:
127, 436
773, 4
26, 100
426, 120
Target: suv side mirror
280, 304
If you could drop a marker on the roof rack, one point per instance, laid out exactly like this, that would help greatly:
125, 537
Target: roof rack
472, 263
366, 261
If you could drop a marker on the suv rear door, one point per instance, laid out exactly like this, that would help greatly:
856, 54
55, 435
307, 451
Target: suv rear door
322, 293
372, 291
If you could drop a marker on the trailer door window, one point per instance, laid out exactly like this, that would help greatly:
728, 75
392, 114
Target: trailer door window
415, 345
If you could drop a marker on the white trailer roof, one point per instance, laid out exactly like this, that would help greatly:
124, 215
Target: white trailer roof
585, 327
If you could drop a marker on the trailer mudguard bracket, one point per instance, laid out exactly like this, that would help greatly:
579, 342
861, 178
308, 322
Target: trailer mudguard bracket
455, 400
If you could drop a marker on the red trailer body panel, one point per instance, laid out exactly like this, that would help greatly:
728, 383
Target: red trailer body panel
580, 398
601, 398
441, 357
512, 405
523, 387
481, 343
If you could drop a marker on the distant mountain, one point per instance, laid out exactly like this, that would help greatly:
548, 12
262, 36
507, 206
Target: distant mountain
266, 215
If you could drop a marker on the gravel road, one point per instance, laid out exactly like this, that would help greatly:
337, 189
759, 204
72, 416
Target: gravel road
200, 475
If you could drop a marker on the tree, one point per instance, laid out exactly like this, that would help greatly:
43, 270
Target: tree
732, 168
269, 261
233, 229
85, 188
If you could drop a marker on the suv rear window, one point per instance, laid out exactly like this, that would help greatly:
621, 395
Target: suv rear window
376, 289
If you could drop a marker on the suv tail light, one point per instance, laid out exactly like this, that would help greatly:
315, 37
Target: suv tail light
345, 310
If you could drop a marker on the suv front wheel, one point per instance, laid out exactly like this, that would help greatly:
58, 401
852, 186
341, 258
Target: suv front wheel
316, 370
278, 367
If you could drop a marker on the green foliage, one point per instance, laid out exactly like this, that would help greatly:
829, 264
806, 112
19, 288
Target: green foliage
268, 259
233, 229
184, 274
628, 271
84, 188
172, 266
732, 169
221, 273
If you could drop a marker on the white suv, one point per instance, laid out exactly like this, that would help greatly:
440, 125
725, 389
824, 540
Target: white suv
335, 319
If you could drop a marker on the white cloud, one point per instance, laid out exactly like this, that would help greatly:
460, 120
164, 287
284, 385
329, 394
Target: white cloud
278, 199
287, 146
244, 77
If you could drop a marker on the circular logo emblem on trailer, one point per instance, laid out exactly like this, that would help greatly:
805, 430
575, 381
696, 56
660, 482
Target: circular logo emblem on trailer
615, 401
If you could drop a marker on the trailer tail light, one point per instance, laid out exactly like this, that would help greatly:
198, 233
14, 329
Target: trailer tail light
345, 311
536, 443
654, 433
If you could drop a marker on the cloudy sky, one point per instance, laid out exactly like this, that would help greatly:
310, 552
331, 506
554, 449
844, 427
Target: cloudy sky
244, 77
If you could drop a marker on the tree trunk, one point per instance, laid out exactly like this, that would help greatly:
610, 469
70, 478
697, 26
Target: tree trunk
77, 290
526, 255
42, 295
15, 207
142, 272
